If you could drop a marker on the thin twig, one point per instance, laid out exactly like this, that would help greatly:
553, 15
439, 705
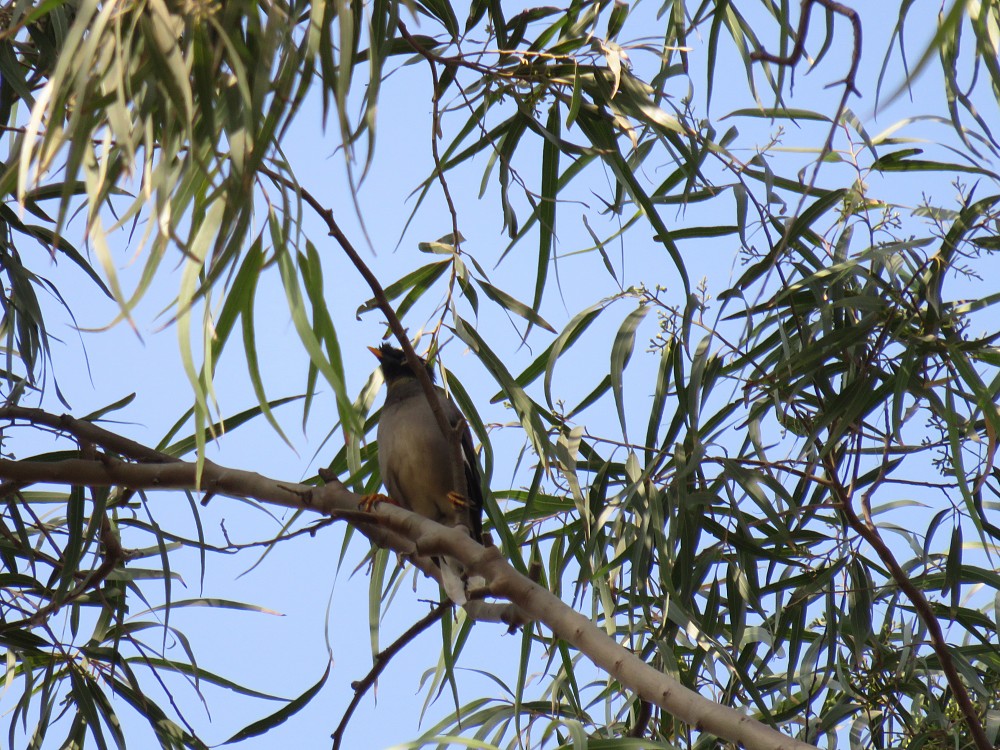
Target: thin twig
797, 51
454, 434
849, 83
86, 431
923, 608
382, 659
113, 553
435, 128
416, 364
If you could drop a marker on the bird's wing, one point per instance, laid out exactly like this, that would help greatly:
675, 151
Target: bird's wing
473, 478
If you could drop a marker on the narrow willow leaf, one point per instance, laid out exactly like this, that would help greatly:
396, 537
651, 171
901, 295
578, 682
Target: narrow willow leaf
107, 713
780, 113
330, 369
569, 335
518, 308
577, 97
203, 675
282, 715
668, 351
376, 585
168, 732
187, 444
422, 279
527, 411
953, 569
547, 208
860, 602
621, 353
900, 161
601, 136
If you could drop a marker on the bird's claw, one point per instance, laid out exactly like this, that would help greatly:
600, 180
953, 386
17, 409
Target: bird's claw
368, 502
457, 499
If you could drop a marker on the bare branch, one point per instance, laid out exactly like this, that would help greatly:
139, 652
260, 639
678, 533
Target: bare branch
849, 83
869, 532
382, 660
326, 214
85, 431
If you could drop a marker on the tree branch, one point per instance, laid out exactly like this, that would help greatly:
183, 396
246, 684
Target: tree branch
849, 82
112, 554
326, 214
86, 431
453, 434
382, 660
399, 529
869, 532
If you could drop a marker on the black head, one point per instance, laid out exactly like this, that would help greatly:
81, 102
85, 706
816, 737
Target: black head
394, 364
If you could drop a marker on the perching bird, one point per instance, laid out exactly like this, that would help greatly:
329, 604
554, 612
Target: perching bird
415, 458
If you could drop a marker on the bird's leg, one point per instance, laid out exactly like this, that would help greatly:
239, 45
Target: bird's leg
368, 502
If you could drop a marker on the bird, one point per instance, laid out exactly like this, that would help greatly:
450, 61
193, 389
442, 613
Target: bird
416, 459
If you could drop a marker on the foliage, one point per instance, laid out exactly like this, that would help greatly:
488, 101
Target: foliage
801, 520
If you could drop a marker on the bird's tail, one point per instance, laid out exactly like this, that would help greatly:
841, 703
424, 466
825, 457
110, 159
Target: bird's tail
453, 580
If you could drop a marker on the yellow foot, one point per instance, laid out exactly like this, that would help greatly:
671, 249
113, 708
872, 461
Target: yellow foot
368, 502
457, 499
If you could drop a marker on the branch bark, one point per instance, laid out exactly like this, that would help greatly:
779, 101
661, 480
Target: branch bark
401, 530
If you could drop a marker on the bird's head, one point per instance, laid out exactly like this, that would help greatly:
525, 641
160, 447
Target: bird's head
394, 365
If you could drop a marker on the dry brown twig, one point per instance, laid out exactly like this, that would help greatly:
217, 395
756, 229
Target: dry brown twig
870, 533
382, 660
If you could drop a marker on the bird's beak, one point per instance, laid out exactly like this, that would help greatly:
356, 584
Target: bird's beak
376, 352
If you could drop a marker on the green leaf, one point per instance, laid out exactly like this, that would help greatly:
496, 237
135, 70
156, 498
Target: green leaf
282, 715
621, 353
527, 411
509, 303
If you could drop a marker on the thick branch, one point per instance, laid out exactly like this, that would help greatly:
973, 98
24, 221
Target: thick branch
627, 668
405, 531
332, 499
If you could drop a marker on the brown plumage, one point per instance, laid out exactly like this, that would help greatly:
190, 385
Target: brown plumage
415, 458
